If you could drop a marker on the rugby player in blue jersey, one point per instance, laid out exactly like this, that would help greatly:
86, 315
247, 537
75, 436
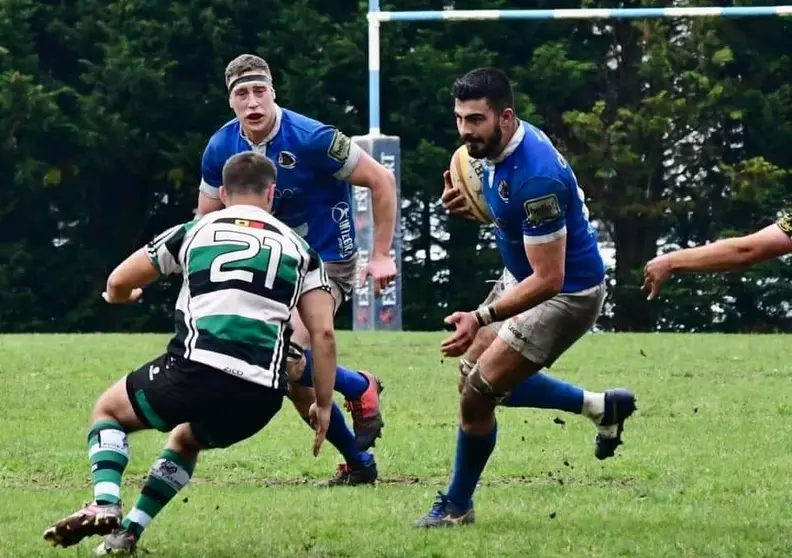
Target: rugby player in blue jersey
316, 163
550, 294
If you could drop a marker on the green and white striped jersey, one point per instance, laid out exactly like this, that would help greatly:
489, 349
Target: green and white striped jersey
243, 273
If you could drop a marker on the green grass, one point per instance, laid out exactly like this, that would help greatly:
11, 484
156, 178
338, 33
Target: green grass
705, 470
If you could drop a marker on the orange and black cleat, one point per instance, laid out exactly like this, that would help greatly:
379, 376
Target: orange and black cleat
367, 420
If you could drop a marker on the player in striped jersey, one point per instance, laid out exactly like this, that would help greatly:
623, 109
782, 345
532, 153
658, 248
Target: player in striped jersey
222, 377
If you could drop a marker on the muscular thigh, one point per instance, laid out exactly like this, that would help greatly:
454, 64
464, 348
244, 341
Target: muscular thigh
342, 280
486, 335
342, 276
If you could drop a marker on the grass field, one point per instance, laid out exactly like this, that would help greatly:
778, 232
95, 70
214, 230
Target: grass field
705, 469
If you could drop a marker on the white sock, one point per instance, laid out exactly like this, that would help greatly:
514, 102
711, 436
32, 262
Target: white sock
593, 406
594, 409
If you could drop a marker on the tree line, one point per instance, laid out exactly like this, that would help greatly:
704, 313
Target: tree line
678, 129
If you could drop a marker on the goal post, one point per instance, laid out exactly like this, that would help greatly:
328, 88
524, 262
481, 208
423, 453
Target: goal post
385, 311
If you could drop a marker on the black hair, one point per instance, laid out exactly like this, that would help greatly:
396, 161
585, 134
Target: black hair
491, 84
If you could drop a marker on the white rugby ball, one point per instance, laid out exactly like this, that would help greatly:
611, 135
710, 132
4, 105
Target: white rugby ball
467, 175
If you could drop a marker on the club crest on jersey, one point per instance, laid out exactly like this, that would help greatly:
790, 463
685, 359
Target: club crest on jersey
339, 147
287, 160
503, 191
542, 210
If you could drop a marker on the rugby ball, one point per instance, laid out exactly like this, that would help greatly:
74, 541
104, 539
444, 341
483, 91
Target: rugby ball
467, 176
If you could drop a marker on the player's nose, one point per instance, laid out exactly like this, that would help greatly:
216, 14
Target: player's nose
467, 132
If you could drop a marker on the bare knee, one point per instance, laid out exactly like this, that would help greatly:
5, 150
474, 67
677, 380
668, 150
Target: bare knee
302, 397
484, 338
114, 404
481, 342
295, 363
295, 369
477, 404
182, 440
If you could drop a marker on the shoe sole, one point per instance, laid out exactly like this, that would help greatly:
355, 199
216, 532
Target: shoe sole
447, 524
72, 531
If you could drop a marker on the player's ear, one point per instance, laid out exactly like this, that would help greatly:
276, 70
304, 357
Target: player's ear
223, 195
271, 195
507, 115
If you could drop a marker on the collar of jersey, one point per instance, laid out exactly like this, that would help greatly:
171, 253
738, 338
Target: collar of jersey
272, 134
515, 140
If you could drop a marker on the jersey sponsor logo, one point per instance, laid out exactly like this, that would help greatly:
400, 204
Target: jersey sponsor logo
287, 160
785, 222
285, 194
340, 215
339, 147
503, 191
170, 473
340, 212
113, 440
542, 210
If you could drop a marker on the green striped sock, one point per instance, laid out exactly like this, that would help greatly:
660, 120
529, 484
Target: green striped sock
108, 452
169, 474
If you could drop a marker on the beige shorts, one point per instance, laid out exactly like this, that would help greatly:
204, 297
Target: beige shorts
545, 332
342, 276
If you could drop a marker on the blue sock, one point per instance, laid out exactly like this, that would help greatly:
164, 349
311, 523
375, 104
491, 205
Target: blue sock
342, 438
307, 375
542, 391
349, 383
472, 453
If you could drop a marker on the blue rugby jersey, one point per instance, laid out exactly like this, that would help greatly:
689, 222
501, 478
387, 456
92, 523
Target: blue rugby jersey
534, 197
313, 161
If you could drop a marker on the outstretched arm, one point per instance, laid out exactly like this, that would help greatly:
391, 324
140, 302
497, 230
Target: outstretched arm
731, 254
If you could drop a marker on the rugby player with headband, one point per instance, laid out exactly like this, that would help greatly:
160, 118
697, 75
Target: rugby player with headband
316, 165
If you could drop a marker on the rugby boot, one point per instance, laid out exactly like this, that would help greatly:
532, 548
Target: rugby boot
92, 519
366, 417
352, 476
445, 513
119, 543
619, 406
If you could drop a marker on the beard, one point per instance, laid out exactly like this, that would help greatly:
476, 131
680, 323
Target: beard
479, 148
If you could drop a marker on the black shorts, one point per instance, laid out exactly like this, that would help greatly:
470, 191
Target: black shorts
221, 409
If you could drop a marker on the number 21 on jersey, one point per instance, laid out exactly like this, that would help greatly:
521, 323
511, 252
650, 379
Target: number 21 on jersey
249, 251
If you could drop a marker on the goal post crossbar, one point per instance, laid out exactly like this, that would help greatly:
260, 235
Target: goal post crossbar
376, 17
